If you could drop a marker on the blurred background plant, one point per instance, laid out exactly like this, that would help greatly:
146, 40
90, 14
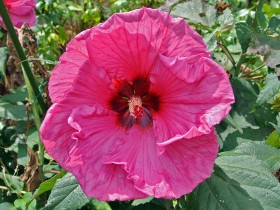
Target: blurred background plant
242, 35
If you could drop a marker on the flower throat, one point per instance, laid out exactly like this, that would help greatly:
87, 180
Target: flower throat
134, 103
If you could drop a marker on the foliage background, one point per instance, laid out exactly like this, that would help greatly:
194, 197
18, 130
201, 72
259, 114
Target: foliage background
243, 36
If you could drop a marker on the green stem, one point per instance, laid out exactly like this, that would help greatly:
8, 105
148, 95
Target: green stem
37, 119
228, 54
24, 61
256, 69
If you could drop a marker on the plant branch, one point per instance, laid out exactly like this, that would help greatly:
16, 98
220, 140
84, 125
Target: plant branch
229, 56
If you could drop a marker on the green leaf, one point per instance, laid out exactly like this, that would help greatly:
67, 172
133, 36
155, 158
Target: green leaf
272, 86
98, 205
141, 201
211, 41
33, 137
226, 18
62, 34
12, 112
258, 48
273, 139
17, 95
232, 123
21, 202
23, 157
3, 59
13, 182
271, 10
268, 154
274, 23
243, 33
220, 192
261, 20
272, 42
263, 44
273, 61
66, 194
254, 177
48, 184
253, 123
168, 5
7, 206
196, 12
277, 126
75, 8
223, 60
239, 181
231, 140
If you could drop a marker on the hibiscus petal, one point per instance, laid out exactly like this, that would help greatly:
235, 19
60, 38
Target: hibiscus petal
129, 43
56, 134
171, 174
192, 97
168, 35
88, 90
80, 145
71, 61
20, 11
122, 54
92, 85
97, 133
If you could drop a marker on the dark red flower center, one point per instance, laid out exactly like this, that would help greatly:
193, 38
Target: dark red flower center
134, 102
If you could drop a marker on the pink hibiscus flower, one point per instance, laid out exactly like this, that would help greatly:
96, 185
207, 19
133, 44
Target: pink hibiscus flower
135, 102
20, 11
